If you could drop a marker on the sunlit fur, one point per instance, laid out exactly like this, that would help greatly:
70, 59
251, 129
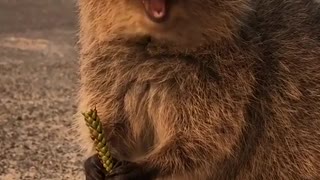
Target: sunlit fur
225, 89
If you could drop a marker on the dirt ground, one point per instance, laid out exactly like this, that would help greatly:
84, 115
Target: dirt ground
38, 82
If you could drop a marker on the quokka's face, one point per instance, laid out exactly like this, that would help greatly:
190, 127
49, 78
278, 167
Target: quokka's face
180, 21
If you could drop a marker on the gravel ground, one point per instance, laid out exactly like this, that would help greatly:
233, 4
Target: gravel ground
38, 76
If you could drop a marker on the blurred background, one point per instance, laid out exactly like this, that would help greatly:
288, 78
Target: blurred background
38, 76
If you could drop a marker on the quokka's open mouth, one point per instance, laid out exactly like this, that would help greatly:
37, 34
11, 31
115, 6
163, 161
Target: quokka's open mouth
157, 10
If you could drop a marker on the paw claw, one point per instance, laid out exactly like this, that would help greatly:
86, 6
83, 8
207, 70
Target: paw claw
94, 170
130, 171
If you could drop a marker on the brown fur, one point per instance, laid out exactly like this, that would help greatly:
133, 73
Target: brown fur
222, 90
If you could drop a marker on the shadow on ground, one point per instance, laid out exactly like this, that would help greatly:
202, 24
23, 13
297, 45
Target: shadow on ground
38, 78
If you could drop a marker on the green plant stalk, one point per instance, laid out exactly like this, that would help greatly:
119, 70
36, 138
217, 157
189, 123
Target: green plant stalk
98, 136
